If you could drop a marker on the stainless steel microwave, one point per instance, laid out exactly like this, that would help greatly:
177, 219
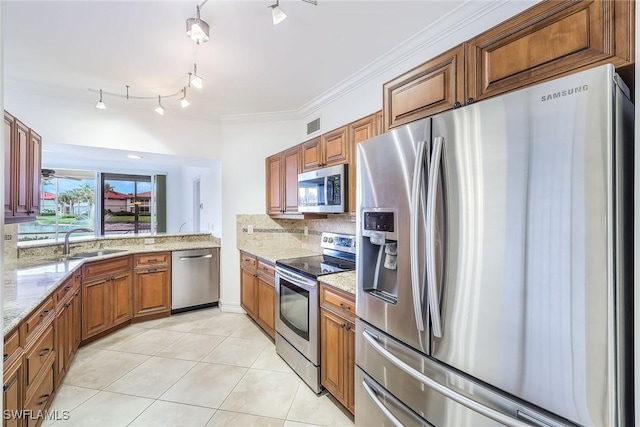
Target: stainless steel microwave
322, 190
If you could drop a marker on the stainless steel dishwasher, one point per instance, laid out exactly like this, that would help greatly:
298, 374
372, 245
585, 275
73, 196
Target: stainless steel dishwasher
195, 279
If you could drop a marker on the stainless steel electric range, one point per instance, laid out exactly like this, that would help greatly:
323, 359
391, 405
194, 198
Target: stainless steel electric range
297, 304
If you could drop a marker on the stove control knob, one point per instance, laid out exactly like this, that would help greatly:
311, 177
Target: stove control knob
324, 239
330, 239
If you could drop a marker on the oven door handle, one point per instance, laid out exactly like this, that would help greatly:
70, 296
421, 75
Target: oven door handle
296, 279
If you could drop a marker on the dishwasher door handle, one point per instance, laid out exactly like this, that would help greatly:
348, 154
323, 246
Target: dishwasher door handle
189, 258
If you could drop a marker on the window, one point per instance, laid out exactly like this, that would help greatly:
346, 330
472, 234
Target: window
126, 201
67, 201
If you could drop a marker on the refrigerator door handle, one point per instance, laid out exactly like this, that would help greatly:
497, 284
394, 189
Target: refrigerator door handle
442, 389
432, 285
416, 190
374, 397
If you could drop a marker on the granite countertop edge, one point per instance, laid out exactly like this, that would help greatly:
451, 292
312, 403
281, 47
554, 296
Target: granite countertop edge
345, 281
272, 254
21, 264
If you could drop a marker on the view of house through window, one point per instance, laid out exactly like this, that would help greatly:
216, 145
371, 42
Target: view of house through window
126, 204
67, 201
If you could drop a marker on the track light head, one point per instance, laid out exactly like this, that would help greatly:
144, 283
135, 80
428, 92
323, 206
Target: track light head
197, 29
100, 105
277, 14
184, 102
159, 108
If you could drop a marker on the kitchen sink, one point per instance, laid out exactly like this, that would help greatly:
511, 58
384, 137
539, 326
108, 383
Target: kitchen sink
82, 255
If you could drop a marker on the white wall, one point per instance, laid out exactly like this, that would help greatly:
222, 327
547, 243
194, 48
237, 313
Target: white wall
244, 149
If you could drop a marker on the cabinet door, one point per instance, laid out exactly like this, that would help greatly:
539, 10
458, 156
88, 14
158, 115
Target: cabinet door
76, 322
428, 89
22, 175
349, 365
35, 173
274, 184
266, 306
8, 165
61, 342
291, 169
122, 298
151, 292
96, 307
248, 295
332, 361
311, 154
335, 147
548, 40
359, 131
12, 394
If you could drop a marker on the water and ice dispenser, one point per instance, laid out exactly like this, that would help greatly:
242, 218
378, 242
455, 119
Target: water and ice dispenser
379, 246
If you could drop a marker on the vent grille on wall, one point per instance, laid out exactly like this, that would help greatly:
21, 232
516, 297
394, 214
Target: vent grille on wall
313, 126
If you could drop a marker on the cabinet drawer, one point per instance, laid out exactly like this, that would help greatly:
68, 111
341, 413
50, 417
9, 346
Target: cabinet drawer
38, 318
248, 261
38, 354
11, 345
64, 290
338, 301
157, 258
106, 267
40, 397
266, 270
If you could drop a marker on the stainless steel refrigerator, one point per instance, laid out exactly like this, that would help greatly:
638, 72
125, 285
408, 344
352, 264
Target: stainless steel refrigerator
494, 265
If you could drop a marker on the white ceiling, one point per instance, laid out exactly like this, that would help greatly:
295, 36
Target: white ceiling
63, 48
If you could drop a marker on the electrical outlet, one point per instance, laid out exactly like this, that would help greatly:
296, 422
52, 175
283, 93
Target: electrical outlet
250, 229
306, 230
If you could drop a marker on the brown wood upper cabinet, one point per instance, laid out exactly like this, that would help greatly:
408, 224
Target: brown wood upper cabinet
547, 40
329, 149
23, 153
282, 182
428, 89
358, 131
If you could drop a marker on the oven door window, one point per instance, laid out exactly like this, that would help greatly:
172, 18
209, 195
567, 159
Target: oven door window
294, 308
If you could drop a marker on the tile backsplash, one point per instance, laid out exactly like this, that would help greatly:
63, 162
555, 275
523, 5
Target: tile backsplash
10, 242
267, 231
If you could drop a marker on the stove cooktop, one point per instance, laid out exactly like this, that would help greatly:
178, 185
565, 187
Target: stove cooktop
314, 266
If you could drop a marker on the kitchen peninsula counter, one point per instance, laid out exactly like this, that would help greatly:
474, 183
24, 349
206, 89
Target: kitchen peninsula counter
29, 281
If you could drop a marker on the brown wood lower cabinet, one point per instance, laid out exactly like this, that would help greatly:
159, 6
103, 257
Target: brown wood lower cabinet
67, 327
107, 295
12, 393
337, 344
152, 284
257, 291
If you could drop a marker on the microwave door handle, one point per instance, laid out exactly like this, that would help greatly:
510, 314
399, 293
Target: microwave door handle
432, 284
416, 189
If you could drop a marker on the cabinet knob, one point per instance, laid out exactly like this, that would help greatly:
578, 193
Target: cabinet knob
45, 351
470, 101
30, 212
457, 105
344, 306
5, 356
45, 398
66, 288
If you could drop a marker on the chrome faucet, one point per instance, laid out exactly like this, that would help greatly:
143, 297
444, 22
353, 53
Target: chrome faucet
67, 247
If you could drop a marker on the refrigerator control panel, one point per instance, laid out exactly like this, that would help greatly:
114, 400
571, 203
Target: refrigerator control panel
379, 221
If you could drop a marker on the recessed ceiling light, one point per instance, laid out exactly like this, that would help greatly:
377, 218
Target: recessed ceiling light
134, 156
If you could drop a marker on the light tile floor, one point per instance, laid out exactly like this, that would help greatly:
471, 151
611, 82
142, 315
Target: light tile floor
200, 369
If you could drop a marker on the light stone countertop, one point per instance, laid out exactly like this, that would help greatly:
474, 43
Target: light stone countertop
272, 254
29, 281
345, 281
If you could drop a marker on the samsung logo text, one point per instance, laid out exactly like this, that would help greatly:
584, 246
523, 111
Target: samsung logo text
565, 92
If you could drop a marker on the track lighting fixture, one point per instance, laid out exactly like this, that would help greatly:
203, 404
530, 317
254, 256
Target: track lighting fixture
183, 102
277, 14
160, 108
100, 105
196, 80
197, 29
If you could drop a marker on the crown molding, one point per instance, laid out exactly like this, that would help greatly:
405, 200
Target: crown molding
274, 116
467, 13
